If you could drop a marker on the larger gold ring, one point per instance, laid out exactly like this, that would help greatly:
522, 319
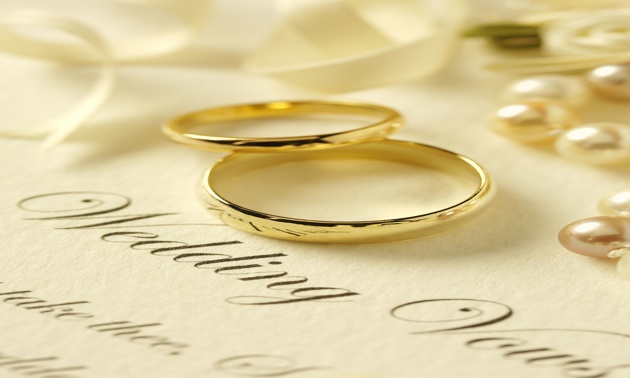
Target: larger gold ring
372, 231
182, 129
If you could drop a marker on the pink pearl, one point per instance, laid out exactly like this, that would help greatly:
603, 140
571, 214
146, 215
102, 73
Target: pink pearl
596, 236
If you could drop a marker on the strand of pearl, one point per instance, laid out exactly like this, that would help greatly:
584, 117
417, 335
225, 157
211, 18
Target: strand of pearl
542, 108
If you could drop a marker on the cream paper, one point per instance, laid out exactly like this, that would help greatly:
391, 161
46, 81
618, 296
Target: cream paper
91, 230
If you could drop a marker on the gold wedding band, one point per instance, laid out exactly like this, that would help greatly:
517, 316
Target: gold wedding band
371, 231
181, 129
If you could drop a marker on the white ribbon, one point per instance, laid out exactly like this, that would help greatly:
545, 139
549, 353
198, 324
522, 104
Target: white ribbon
330, 45
342, 45
577, 40
94, 48
604, 31
59, 128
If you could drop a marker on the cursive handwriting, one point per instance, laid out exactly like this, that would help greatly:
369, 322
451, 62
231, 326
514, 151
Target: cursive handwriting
98, 210
39, 367
261, 365
460, 316
126, 330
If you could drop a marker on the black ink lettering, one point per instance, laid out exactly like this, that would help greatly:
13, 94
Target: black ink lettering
125, 328
483, 313
109, 237
238, 267
264, 275
495, 343
98, 209
15, 292
19, 361
152, 244
239, 259
526, 351
84, 206
52, 307
299, 280
260, 300
61, 310
183, 257
117, 220
47, 371
593, 372
467, 313
73, 316
78, 204
260, 365
37, 367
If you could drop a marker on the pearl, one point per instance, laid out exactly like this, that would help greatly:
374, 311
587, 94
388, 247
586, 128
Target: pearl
612, 81
533, 121
623, 266
567, 90
596, 236
617, 203
597, 143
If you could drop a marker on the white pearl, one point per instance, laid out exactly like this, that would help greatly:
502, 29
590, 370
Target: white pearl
567, 90
612, 81
623, 266
617, 203
596, 143
533, 121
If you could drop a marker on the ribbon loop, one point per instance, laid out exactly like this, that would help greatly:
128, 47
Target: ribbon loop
342, 45
95, 48
320, 22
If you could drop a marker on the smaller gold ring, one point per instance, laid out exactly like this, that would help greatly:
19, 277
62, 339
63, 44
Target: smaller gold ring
181, 129
371, 231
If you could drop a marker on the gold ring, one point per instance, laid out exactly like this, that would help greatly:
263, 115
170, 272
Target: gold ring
371, 231
181, 129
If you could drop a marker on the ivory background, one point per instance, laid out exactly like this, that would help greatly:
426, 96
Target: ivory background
509, 255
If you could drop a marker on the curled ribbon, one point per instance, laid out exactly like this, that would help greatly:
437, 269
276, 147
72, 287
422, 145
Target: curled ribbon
603, 31
330, 45
57, 129
94, 48
343, 45
577, 40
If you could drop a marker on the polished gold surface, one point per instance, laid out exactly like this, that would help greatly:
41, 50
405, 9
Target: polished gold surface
182, 129
371, 231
